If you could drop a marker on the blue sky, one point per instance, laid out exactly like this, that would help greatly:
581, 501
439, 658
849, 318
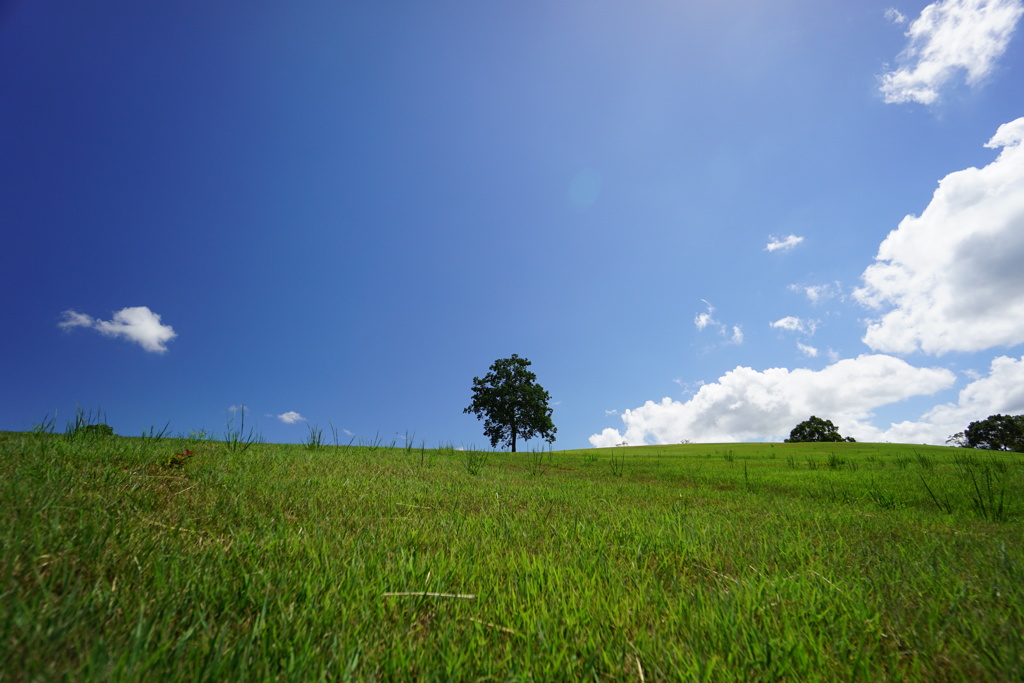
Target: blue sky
699, 221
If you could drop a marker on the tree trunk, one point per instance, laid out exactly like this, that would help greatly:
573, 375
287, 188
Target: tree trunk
513, 439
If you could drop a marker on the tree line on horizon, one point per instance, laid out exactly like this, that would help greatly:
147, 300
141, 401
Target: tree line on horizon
514, 407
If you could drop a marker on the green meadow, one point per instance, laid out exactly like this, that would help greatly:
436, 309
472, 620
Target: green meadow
238, 560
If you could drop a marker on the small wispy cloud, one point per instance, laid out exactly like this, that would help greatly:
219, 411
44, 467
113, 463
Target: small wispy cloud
290, 418
819, 293
689, 387
949, 37
783, 244
137, 324
76, 319
707, 319
702, 320
808, 351
611, 412
793, 324
895, 16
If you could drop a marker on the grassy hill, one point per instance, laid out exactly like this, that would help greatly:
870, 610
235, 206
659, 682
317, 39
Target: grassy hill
122, 560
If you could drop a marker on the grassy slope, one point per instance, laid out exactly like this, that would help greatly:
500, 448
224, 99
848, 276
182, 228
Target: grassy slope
702, 562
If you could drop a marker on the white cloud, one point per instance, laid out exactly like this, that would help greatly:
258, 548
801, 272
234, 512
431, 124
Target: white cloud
950, 36
608, 438
895, 16
75, 319
290, 418
702, 320
1002, 391
808, 351
745, 404
790, 323
952, 277
137, 324
784, 244
686, 387
818, 293
793, 324
707, 319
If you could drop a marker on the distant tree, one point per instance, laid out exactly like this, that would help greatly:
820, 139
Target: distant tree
816, 429
93, 430
511, 403
996, 433
958, 440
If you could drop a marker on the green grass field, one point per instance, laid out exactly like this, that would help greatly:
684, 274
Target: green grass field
747, 562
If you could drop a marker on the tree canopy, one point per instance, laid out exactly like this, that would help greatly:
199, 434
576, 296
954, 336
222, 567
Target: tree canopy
994, 433
816, 429
93, 430
511, 403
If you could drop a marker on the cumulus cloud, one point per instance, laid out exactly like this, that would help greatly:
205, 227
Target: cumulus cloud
793, 324
136, 324
290, 418
951, 278
1001, 391
948, 37
745, 404
784, 244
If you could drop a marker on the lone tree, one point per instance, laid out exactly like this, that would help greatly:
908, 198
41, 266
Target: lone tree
511, 404
816, 429
994, 433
